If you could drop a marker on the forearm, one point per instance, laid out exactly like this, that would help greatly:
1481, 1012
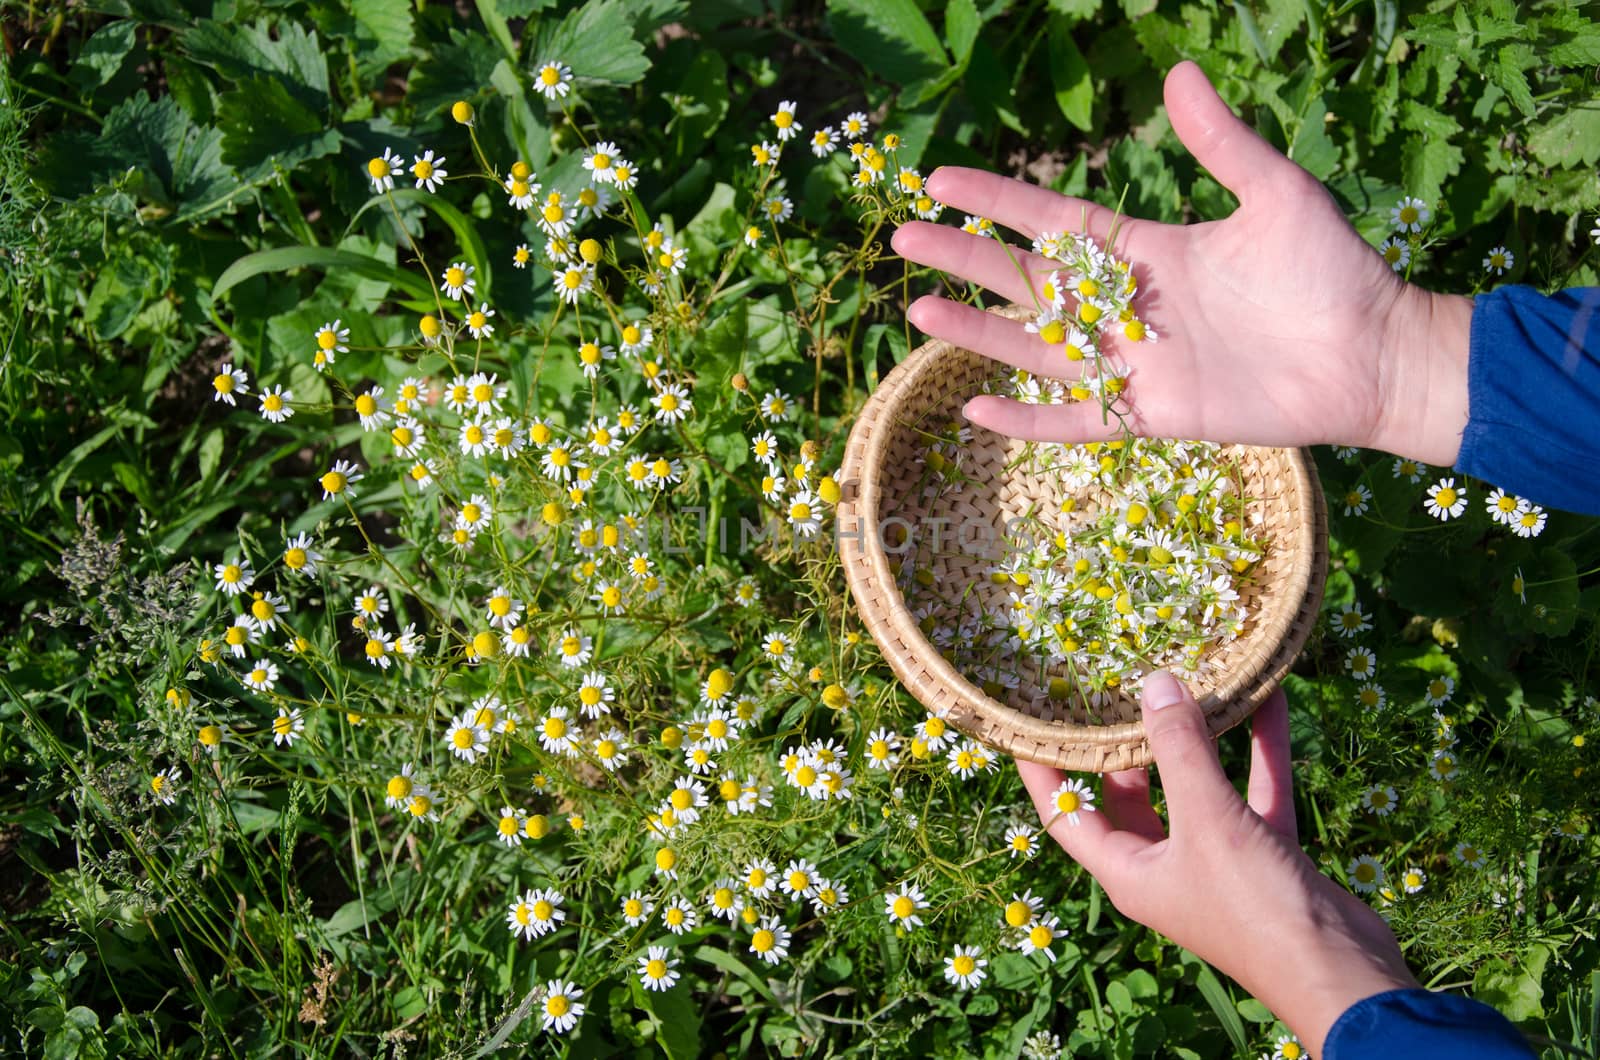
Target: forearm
1426, 345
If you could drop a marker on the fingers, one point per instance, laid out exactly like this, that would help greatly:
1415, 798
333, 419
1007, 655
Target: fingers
1080, 421
1271, 791
1186, 757
1093, 842
1240, 159
992, 335
1127, 798
982, 260
1020, 206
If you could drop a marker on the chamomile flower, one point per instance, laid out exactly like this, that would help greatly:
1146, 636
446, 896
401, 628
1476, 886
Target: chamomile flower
275, 407
262, 675
287, 727
338, 482
799, 879
1470, 855
1530, 523
370, 604
657, 969
556, 733
1365, 874
823, 142
1444, 766
369, 407
552, 80
1445, 501
573, 282
466, 738
1410, 215
474, 514
428, 171
805, 514
965, 968
458, 281
1499, 261
779, 208
775, 406
164, 785
599, 159
1410, 470
521, 256
677, 915
760, 877
228, 382
1371, 696
1380, 799
1439, 690
763, 154
559, 1007
783, 119
574, 647
1351, 620
636, 908
1071, 798
478, 321
672, 403
1288, 1047
508, 828
1503, 507
299, 556
1022, 841
330, 339
1360, 663
592, 355
520, 193
883, 749
233, 577
384, 169
1413, 879
903, 905
1040, 935
723, 900
407, 436
1357, 499
1396, 253
770, 941
401, 786
635, 338
854, 126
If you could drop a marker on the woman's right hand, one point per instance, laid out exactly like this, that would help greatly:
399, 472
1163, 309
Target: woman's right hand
1278, 325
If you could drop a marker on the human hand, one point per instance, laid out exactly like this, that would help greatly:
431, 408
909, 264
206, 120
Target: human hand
1230, 882
1278, 326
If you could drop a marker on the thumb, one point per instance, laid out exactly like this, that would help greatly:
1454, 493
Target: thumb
1186, 756
1233, 152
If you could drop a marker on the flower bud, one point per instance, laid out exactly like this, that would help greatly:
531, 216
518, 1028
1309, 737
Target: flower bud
461, 111
741, 382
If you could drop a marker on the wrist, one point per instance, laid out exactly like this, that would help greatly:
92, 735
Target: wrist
1426, 342
1342, 952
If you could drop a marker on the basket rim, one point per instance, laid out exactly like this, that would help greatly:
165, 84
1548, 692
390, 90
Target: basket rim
917, 662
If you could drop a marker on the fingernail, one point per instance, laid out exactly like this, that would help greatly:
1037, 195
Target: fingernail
1161, 690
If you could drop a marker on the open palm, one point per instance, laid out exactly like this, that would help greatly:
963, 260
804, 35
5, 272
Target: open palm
1278, 325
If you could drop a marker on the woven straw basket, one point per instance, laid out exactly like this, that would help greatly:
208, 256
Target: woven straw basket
880, 477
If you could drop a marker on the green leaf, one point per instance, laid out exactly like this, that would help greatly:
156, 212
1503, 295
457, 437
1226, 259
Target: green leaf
1069, 72
1221, 1002
282, 259
596, 41
1426, 163
383, 32
1507, 72
961, 25
176, 164
1077, 10
676, 1017
1312, 147
705, 91
458, 68
119, 293
1514, 988
1571, 139
210, 455
262, 122
891, 38
294, 58
103, 54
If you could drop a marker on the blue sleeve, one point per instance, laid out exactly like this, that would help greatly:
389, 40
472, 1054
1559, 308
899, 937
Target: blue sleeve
1423, 1025
1533, 396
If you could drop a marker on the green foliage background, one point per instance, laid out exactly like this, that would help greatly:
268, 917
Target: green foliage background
147, 146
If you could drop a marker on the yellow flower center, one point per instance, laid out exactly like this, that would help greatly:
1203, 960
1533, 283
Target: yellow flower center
904, 907
334, 482
963, 965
